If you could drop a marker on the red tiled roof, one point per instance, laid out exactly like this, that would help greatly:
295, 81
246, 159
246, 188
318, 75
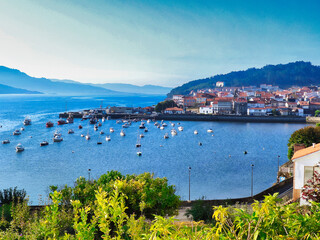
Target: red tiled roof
306, 151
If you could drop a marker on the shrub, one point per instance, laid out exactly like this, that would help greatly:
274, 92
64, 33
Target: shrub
10, 195
200, 211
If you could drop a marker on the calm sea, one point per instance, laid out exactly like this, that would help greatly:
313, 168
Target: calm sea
219, 168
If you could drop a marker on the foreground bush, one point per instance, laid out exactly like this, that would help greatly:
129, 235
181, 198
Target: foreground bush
109, 220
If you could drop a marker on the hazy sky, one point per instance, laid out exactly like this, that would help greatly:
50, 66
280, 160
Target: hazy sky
154, 42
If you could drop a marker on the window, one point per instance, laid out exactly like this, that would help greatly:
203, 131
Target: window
308, 173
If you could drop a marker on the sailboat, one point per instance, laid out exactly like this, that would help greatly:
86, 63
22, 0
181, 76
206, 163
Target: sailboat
108, 138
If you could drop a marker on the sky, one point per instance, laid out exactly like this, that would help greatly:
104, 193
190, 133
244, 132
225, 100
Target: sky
160, 42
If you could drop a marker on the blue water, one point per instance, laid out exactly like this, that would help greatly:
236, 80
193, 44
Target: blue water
219, 167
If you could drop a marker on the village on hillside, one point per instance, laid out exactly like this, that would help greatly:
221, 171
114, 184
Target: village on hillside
265, 100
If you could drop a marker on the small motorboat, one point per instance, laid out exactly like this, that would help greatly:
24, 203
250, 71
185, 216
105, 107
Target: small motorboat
82, 135
156, 123
142, 126
141, 135
19, 148
6, 141
195, 132
44, 143
138, 145
122, 134
61, 122
99, 143
172, 124
126, 125
57, 138
103, 119
101, 132
118, 121
180, 128
70, 131
148, 121
88, 137
162, 127
164, 124
99, 124
95, 127
209, 130
166, 136
69, 120
139, 153
57, 133
80, 127
16, 132
173, 132
111, 130
27, 121
93, 121
22, 129
49, 124
146, 130
108, 138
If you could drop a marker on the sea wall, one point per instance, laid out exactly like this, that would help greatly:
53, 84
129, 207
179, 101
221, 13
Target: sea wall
313, 119
231, 118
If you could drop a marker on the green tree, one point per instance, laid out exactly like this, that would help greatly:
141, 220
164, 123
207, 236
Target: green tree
317, 112
306, 136
161, 106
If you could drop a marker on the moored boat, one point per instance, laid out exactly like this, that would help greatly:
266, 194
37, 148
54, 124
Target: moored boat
166, 136
16, 132
57, 138
70, 131
122, 133
174, 132
95, 127
195, 132
27, 121
19, 148
49, 124
209, 130
61, 122
88, 137
80, 127
180, 128
69, 120
6, 141
146, 130
108, 138
44, 143
101, 132
111, 130
22, 129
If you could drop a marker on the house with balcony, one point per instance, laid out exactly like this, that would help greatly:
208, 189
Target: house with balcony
174, 110
257, 111
206, 109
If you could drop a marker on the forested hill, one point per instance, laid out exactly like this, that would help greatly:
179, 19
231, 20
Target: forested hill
283, 75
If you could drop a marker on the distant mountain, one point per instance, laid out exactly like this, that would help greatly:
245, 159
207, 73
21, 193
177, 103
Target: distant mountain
129, 88
4, 89
15, 78
282, 75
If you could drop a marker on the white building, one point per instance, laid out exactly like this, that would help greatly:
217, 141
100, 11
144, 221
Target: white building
257, 111
305, 163
206, 109
178, 99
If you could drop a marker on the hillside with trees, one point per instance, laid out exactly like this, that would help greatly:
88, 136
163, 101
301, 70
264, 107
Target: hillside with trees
283, 75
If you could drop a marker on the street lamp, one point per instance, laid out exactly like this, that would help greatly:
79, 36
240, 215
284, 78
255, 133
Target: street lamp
189, 182
89, 171
278, 179
252, 180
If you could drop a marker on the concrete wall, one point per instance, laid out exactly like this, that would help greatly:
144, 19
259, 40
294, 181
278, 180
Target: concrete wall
313, 119
232, 118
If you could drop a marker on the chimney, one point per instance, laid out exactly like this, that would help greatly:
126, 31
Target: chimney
313, 145
298, 146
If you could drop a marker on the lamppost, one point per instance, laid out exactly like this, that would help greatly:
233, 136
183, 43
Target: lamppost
89, 171
252, 180
189, 182
278, 179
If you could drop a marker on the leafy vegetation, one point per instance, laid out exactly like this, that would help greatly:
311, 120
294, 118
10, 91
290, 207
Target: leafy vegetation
10, 195
200, 211
283, 75
311, 191
109, 220
144, 194
161, 106
306, 136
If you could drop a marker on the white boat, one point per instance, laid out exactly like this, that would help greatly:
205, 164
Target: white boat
44, 143
174, 132
88, 137
172, 124
6, 141
146, 130
164, 124
108, 138
111, 130
57, 138
82, 135
209, 130
156, 123
148, 121
180, 128
95, 127
57, 133
101, 132
22, 129
139, 153
195, 132
27, 121
166, 136
162, 127
70, 131
142, 126
103, 119
141, 135
16, 132
19, 148
126, 125
122, 134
